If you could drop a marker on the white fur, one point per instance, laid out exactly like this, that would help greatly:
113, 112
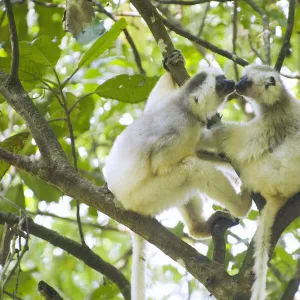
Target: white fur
264, 152
153, 164
261, 250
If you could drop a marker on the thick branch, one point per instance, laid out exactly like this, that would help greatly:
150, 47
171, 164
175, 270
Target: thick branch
205, 44
15, 96
155, 24
72, 184
81, 252
13, 40
288, 213
286, 40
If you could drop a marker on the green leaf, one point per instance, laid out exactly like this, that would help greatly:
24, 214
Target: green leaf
41, 189
13, 144
103, 43
15, 194
36, 57
47, 50
126, 88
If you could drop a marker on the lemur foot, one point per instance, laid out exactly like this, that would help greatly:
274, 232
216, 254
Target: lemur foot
172, 59
202, 230
218, 215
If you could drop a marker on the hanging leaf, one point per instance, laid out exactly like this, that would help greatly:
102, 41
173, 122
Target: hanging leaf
79, 14
103, 43
13, 144
126, 88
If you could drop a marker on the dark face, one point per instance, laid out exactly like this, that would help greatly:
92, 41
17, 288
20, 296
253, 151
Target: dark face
244, 83
224, 86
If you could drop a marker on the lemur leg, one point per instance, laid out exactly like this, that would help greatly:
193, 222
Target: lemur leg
191, 213
220, 190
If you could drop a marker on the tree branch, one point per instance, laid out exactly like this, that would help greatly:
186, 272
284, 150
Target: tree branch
155, 24
22, 163
293, 285
13, 41
205, 44
287, 214
234, 37
16, 96
189, 2
286, 40
266, 29
127, 35
79, 251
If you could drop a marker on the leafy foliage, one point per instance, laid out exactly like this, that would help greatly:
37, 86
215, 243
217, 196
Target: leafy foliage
100, 87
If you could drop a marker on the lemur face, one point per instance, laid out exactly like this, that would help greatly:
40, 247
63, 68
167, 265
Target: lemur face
260, 83
209, 89
211, 85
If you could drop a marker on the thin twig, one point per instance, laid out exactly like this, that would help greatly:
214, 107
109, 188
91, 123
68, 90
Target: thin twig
127, 35
286, 40
97, 226
205, 44
11, 295
266, 34
234, 37
78, 250
254, 50
78, 100
189, 2
73, 147
201, 27
13, 40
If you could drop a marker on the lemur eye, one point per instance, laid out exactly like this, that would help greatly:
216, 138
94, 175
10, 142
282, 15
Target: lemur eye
270, 81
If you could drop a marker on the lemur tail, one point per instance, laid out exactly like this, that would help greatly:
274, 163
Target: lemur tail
138, 268
261, 250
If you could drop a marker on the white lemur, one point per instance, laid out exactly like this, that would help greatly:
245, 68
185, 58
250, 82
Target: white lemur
265, 153
153, 164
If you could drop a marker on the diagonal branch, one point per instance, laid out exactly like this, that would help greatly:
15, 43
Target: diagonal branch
266, 35
205, 44
293, 284
155, 24
286, 40
16, 97
127, 35
13, 40
79, 251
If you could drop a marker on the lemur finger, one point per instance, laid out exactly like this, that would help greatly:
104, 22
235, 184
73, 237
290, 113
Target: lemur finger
172, 59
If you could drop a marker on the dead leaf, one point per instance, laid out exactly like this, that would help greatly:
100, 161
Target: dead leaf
78, 15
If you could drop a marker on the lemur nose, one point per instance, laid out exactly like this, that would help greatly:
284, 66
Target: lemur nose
230, 85
243, 84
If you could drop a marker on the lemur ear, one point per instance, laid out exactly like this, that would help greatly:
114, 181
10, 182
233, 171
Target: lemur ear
270, 81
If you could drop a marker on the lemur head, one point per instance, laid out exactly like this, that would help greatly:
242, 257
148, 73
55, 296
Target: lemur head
208, 90
262, 84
